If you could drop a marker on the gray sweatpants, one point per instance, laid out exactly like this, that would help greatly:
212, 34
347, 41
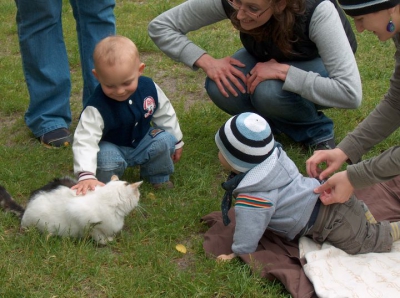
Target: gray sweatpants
346, 227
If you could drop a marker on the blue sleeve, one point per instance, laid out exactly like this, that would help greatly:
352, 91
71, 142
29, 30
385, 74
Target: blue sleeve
252, 218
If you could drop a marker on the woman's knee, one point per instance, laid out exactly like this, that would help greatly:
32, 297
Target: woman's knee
232, 104
214, 93
272, 102
269, 98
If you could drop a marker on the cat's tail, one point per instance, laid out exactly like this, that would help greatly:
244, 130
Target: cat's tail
8, 204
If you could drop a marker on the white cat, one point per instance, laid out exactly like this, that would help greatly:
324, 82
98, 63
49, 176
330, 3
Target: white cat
56, 209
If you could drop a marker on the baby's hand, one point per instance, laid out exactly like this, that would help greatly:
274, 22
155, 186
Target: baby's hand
177, 155
83, 186
225, 258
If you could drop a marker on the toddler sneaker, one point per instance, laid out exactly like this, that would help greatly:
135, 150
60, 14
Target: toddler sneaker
164, 185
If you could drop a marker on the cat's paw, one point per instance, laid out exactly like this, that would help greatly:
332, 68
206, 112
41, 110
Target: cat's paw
102, 241
99, 238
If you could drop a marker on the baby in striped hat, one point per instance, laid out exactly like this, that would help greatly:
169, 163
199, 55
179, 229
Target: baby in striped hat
270, 193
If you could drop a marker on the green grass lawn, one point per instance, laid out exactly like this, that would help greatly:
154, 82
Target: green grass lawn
143, 261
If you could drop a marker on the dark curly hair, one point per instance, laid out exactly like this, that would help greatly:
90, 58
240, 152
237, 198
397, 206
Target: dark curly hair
280, 27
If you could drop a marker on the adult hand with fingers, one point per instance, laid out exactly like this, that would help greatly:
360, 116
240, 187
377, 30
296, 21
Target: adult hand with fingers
262, 71
336, 189
333, 158
224, 73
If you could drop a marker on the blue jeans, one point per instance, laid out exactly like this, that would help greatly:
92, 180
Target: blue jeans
153, 154
45, 60
285, 111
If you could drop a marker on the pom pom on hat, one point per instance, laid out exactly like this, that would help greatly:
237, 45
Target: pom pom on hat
360, 7
245, 141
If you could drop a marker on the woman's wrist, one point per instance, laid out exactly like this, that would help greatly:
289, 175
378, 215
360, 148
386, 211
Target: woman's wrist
203, 61
282, 73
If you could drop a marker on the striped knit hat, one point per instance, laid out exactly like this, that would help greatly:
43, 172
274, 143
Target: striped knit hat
245, 141
360, 7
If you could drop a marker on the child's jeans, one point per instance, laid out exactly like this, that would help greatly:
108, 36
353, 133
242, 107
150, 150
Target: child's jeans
153, 155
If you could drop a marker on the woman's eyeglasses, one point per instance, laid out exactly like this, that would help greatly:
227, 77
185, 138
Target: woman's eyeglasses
237, 5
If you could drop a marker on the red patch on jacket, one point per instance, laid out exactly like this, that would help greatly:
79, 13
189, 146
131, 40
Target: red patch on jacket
149, 105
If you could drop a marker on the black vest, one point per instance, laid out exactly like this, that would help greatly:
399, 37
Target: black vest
127, 122
304, 49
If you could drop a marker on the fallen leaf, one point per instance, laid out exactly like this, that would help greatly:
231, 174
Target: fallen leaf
181, 248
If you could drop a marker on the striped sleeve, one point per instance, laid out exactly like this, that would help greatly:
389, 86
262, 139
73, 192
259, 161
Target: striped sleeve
253, 215
252, 202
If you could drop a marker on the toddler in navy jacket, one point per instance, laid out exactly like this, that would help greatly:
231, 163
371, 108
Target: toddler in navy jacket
127, 122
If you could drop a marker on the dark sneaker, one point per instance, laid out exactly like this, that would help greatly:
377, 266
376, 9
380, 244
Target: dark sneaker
164, 185
325, 145
57, 138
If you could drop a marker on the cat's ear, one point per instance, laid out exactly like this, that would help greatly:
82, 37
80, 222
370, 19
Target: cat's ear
136, 184
114, 178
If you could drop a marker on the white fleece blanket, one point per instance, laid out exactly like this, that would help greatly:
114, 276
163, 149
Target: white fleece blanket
336, 274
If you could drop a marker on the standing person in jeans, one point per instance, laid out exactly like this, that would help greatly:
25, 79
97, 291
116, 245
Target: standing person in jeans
297, 60
45, 60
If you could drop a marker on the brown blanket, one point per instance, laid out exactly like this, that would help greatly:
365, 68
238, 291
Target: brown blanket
277, 258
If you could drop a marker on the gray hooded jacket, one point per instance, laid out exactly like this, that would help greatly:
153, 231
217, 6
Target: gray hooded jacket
272, 195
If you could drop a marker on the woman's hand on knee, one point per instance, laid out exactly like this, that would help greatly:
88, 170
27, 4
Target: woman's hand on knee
224, 73
262, 71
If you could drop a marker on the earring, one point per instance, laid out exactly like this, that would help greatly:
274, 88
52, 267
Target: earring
390, 26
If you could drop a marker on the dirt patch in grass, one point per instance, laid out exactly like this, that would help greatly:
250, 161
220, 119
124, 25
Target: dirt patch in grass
174, 81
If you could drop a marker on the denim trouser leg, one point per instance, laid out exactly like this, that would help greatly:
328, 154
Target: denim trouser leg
287, 112
153, 154
45, 60
45, 64
95, 20
110, 161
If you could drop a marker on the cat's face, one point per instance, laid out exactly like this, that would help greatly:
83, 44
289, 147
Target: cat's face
128, 193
